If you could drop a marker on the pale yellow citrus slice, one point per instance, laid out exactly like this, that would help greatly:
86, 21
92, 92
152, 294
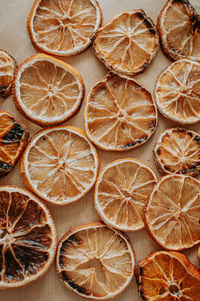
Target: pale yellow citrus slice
95, 261
60, 164
177, 92
167, 276
177, 150
179, 29
46, 90
7, 68
27, 237
119, 114
172, 212
13, 139
127, 43
121, 191
63, 27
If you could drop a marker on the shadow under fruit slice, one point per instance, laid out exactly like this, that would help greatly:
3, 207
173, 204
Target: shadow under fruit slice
167, 276
119, 114
179, 29
127, 43
172, 212
95, 261
177, 151
60, 164
7, 68
13, 139
27, 237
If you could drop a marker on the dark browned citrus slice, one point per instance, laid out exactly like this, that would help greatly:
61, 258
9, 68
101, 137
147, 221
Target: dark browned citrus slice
7, 68
13, 139
27, 237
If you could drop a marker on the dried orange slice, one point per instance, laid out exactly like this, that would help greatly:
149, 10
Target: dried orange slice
167, 276
63, 27
178, 151
172, 212
60, 165
177, 92
179, 29
95, 261
127, 43
27, 237
121, 191
46, 90
7, 68
13, 139
119, 114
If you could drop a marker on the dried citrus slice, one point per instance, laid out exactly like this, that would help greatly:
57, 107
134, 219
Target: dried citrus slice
13, 139
46, 90
167, 276
121, 191
63, 27
60, 165
27, 237
95, 261
178, 151
127, 43
172, 212
119, 114
177, 92
7, 68
179, 29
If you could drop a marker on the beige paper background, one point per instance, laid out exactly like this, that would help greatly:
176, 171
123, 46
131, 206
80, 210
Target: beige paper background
14, 38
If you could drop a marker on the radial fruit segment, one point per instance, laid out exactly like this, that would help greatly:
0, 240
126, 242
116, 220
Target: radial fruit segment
63, 27
95, 261
27, 237
121, 192
172, 212
60, 165
119, 114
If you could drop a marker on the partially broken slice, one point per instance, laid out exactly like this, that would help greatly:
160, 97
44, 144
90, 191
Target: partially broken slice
7, 69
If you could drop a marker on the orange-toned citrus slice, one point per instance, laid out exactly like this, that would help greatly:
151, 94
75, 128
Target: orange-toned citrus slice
46, 90
7, 68
63, 27
167, 276
179, 29
172, 212
127, 43
13, 139
119, 114
95, 261
60, 164
178, 151
121, 191
177, 92
27, 237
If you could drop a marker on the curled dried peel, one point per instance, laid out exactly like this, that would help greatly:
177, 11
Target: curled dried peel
178, 151
172, 212
95, 261
127, 43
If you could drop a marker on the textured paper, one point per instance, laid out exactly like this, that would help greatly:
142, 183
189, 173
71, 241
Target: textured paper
14, 38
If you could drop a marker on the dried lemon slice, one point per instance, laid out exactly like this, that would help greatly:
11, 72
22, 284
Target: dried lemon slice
172, 212
179, 29
127, 43
177, 92
7, 68
60, 165
167, 276
63, 27
27, 237
46, 90
178, 151
119, 114
95, 261
121, 191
